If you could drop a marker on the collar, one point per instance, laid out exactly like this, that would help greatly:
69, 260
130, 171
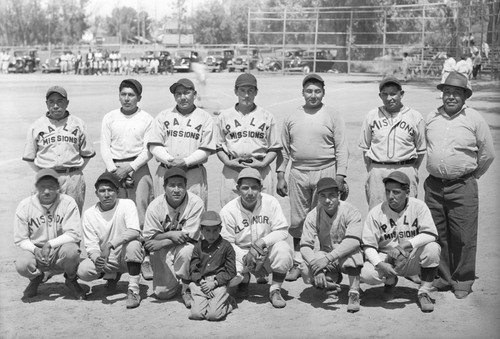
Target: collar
237, 110
442, 112
216, 243
66, 114
180, 205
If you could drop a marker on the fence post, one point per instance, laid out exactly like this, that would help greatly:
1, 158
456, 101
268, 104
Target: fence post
349, 44
423, 43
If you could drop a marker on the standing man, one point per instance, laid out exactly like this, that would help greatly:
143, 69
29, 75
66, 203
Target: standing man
477, 65
182, 137
47, 229
247, 138
124, 151
448, 66
314, 142
171, 228
255, 225
112, 239
460, 150
60, 141
399, 238
392, 139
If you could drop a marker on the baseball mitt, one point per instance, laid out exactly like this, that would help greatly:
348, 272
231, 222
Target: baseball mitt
128, 182
344, 191
398, 257
255, 259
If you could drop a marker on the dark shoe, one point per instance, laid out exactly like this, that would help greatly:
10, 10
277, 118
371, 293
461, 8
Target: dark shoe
276, 299
112, 284
187, 298
262, 280
461, 294
389, 291
133, 299
293, 274
75, 288
32, 288
147, 270
353, 304
425, 303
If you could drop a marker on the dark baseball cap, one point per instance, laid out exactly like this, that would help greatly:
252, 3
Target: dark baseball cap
246, 79
132, 83
56, 89
46, 172
326, 183
251, 173
398, 177
174, 172
210, 218
182, 82
313, 77
108, 177
389, 80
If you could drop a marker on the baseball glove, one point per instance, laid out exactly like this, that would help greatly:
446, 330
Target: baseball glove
344, 192
128, 182
398, 257
255, 259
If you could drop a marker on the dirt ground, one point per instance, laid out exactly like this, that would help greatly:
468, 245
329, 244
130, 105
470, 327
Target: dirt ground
53, 314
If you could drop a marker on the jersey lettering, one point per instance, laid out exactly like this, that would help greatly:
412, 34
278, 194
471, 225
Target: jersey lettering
176, 123
198, 128
251, 122
246, 134
183, 134
262, 127
236, 123
35, 223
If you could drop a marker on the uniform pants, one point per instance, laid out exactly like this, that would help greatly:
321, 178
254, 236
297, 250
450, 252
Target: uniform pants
205, 307
302, 192
426, 256
64, 258
117, 261
229, 181
375, 188
196, 182
454, 207
142, 193
335, 269
73, 184
170, 265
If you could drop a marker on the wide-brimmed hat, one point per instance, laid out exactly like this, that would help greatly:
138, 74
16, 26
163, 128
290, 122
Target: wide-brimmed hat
459, 80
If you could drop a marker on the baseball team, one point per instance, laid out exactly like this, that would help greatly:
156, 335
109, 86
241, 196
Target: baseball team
158, 225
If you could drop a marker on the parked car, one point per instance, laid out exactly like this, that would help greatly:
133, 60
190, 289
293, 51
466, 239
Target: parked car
239, 63
306, 61
53, 64
214, 63
269, 64
24, 61
183, 59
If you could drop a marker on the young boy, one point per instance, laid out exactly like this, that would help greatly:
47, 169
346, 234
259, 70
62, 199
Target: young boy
212, 266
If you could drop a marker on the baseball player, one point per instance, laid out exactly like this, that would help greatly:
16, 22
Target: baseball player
182, 137
112, 239
60, 141
448, 66
211, 269
392, 138
124, 151
254, 221
336, 225
399, 238
247, 137
47, 229
171, 227
314, 142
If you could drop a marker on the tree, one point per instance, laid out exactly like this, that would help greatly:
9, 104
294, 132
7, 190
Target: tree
212, 25
122, 23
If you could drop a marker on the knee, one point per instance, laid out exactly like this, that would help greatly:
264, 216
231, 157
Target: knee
214, 316
281, 257
369, 274
87, 271
24, 263
430, 254
70, 252
134, 251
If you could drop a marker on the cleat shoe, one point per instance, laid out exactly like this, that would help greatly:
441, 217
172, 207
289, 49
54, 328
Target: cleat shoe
293, 274
389, 291
133, 299
147, 270
425, 303
32, 288
460, 294
111, 284
262, 280
187, 298
75, 288
353, 303
276, 299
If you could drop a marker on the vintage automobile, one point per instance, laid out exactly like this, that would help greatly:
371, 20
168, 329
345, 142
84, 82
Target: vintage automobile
53, 64
183, 59
239, 63
271, 64
24, 61
214, 63
307, 62
164, 58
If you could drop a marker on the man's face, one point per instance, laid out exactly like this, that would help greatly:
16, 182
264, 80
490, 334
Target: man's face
313, 94
184, 97
47, 190
246, 95
107, 195
175, 188
57, 104
249, 190
210, 233
391, 96
396, 196
453, 99
128, 99
329, 200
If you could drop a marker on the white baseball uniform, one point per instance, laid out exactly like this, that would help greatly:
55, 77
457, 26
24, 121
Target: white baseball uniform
182, 136
246, 136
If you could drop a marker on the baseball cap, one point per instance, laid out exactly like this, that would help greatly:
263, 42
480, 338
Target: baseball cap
210, 218
46, 172
108, 177
246, 79
132, 83
313, 77
389, 80
326, 183
174, 172
250, 173
182, 82
56, 89
397, 176
459, 80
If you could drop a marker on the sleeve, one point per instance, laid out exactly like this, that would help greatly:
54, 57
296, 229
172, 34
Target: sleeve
371, 233
341, 149
219, 134
71, 226
309, 232
86, 148
273, 137
279, 225
192, 225
486, 152
229, 272
106, 144
153, 220
21, 229
156, 136
194, 264
419, 138
372, 255
31, 146
197, 157
285, 143
228, 224
145, 155
90, 237
365, 139
131, 220
207, 137
427, 231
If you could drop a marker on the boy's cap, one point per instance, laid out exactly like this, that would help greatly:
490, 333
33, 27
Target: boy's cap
108, 177
46, 172
314, 77
182, 82
397, 176
246, 79
174, 172
326, 183
389, 80
56, 89
134, 84
250, 173
210, 218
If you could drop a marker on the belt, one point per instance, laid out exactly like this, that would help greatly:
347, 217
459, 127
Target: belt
189, 168
404, 162
453, 181
125, 160
67, 169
